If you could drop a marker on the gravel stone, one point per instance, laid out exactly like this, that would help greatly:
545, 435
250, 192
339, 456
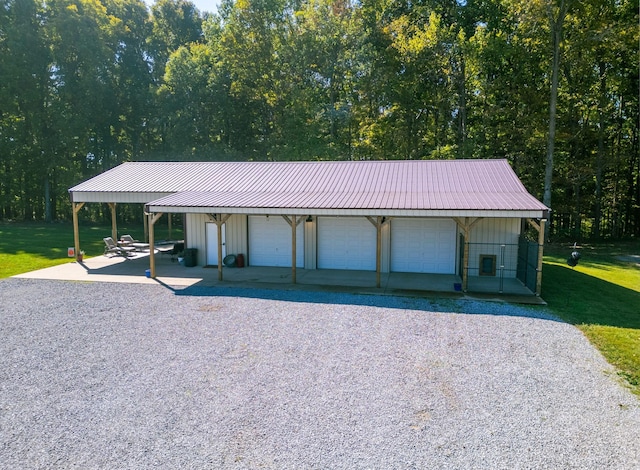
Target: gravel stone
99, 375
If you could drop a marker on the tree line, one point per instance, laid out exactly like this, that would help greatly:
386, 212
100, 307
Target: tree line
550, 85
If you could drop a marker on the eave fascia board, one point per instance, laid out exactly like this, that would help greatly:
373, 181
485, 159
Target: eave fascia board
118, 197
348, 212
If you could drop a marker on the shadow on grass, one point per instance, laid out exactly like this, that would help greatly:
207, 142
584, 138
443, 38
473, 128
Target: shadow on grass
583, 299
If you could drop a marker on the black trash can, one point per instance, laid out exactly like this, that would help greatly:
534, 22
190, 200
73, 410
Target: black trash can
190, 257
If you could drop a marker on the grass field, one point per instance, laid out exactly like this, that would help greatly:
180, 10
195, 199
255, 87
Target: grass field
30, 246
600, 296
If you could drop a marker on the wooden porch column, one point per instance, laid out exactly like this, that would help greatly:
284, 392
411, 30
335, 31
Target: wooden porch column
294, 226
76, 231
465, 258
543, 223
153, 218
378, 222
466, 229
541, 230
114, 223
219, 220
219, 229
293, 223
145, 223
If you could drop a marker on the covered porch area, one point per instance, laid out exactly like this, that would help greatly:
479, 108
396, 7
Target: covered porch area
176, 276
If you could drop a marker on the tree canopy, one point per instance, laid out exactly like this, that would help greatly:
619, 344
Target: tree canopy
550, 85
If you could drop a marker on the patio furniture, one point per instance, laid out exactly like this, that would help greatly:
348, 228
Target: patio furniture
126, 240
174, 249
111, 248
129, 241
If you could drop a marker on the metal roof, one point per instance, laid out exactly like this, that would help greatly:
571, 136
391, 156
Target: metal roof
415, 185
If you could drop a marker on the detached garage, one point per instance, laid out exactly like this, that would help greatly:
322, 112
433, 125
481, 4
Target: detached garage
270, 242
346, 243
464, 218
424, 245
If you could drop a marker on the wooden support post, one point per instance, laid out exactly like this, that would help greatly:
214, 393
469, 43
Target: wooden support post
152, 249
219, 220
219, 229
153, 218
534, 224
378, 222
145, 223
540, 254
294, 227
466, 226
76, 231
378, 250
540, 227
465, 258
293, 223
114, 223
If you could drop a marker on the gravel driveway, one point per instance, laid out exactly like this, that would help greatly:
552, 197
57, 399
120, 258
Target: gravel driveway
98, 375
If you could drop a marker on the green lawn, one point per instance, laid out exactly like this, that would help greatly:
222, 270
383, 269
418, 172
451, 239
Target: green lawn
601, 296
29, 246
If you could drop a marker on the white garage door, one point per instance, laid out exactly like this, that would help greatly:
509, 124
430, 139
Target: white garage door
423, 246
346, 243
270, 242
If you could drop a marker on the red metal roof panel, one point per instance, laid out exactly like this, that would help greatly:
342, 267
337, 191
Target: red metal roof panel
415, 184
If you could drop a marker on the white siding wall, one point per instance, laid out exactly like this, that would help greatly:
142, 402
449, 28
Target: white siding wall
385, 252
236, 235
196, 236
310, 244
485, 239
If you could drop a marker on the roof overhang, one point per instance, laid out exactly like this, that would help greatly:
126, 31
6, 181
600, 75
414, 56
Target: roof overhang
189, 204
340, 204
123, 197
153, 208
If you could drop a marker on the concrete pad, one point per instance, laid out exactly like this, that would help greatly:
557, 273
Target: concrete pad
118, 269
175, 275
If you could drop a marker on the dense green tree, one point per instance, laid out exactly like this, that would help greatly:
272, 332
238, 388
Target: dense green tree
131, 70
27, 137
186, 99
253, 31
550, 85
327, 59
175, 23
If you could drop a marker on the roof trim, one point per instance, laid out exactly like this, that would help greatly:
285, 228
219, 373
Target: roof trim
536, 214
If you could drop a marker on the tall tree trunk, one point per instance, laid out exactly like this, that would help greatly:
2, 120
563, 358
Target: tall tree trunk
600, 156
47, 198
555, 23
462, 109
636, 151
